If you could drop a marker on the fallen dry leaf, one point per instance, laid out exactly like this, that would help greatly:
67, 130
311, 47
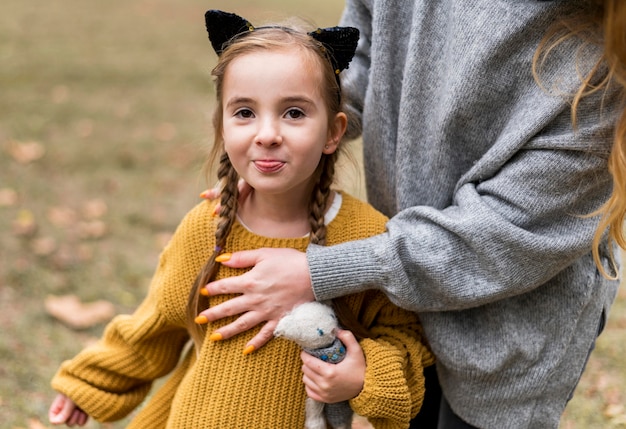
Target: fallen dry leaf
93, 229
24, 224
8, 197
43, 246
36, 424
619, 421
76, 314
62, 217
64, 257
84, 253
614, 410
94, 209
613, 395
26, 152
602, 383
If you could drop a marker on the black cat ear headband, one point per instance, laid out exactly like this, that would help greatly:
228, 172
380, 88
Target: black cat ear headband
339, 43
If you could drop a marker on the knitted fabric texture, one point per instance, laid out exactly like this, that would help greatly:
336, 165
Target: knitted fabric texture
221, 387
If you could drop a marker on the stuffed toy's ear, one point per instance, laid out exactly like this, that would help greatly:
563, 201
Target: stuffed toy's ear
311, 325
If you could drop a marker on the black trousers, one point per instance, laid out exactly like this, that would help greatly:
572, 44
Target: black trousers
436, 412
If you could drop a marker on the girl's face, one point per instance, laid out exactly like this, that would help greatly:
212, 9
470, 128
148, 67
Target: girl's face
275, 122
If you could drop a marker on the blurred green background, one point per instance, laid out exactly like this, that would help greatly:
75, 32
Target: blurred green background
104, 127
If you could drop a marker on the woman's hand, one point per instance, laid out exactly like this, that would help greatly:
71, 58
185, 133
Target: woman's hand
330, 383
64, 410
278, 281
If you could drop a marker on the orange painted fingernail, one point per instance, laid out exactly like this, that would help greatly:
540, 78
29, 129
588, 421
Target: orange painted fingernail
201, 320
223, 257
204, 194
216, 210
204, 292
216, 336
248, 350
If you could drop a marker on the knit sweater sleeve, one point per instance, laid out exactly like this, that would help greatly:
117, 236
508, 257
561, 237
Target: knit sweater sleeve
396, 355
112, 377
504, 236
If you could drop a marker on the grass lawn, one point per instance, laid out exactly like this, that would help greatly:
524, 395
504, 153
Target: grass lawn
104, 127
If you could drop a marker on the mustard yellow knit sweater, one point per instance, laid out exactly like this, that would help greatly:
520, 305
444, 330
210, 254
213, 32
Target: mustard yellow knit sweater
223, 388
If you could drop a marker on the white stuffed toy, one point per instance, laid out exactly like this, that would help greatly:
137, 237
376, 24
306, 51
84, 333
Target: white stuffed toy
313, 326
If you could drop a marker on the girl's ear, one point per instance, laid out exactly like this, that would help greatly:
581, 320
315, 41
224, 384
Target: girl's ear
336, 132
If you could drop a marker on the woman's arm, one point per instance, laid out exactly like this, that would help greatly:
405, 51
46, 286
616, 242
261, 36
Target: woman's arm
504, 235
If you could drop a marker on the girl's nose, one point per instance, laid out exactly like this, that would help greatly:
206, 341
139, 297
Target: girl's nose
268, 134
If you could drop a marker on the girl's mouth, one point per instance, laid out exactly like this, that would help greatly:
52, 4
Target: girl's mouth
268, 166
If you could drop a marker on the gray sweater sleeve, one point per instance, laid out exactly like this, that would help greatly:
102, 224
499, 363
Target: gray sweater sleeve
496, 241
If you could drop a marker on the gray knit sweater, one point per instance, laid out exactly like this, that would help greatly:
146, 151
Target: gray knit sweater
486, 181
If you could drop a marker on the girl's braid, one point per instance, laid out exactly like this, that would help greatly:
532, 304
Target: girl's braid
228, 213
319, 198
319, 201
229, 199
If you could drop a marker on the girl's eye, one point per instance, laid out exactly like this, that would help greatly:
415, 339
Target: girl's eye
295, 114
244, 113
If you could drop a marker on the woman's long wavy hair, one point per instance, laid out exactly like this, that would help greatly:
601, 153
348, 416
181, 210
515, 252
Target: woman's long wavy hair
603, 23
268, 39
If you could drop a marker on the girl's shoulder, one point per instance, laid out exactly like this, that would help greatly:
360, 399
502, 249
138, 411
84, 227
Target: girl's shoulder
200, 213
197, 223
360, 208
355, 219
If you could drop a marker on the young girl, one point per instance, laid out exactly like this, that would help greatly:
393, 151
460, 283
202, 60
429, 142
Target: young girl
278, 125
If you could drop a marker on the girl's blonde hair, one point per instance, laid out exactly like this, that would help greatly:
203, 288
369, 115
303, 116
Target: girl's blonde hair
268, 39
604, 22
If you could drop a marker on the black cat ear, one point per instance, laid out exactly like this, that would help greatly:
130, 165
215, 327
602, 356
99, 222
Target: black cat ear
340, 44
223, 26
